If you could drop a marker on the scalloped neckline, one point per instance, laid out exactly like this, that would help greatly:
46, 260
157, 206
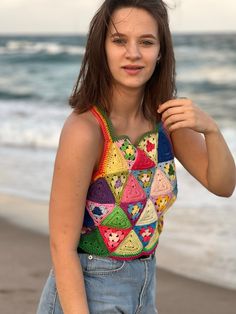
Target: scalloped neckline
116, 137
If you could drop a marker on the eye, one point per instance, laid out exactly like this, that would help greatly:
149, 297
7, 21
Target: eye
146, 42
119, 41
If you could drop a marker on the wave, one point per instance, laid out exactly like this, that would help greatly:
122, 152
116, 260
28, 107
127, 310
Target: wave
38, 125
186, 54
31, 125
21, 47
216, 75
17, 95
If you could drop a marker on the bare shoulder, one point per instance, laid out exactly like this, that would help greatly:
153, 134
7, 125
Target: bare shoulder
81, 139
80, 127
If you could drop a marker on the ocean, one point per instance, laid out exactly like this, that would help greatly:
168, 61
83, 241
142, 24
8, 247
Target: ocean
37, 75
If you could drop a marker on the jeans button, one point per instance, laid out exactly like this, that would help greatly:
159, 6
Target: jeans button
90, 257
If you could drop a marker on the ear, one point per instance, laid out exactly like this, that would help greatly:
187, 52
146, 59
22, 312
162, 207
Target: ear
159, 57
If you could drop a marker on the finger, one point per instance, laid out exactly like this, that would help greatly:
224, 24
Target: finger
174, 103
171, 111
174, 119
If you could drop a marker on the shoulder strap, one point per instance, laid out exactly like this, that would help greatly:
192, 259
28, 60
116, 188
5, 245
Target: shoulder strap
102, 121
96, 112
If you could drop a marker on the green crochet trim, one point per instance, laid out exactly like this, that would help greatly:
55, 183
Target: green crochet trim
118, 137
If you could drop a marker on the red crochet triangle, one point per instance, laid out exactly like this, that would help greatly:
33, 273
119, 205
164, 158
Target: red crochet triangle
112, 236
142, 161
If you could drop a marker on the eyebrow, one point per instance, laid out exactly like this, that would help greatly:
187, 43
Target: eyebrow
142, 36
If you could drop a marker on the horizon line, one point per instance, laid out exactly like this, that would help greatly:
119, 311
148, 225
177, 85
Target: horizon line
84, 33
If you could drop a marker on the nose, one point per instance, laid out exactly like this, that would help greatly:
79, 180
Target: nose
132, 51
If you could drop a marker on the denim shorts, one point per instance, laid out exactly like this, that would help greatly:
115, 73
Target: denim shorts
112, 286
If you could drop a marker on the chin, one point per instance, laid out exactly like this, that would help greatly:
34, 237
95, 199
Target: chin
133, 85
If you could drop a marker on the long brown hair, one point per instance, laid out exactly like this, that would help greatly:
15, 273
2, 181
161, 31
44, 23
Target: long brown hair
94, 84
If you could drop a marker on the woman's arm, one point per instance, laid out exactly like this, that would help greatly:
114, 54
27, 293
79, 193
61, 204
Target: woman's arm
74, 164
206, 156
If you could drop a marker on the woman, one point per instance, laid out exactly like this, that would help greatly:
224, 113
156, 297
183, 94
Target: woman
114, 174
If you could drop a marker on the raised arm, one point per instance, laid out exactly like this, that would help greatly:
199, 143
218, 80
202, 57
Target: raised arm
206, 157
74, 164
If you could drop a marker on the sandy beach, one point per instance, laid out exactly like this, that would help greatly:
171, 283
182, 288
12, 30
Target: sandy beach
25, 262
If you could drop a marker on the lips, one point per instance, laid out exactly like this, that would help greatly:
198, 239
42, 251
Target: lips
132, 67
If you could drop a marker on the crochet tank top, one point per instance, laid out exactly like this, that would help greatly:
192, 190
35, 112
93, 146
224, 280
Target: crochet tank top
129, 193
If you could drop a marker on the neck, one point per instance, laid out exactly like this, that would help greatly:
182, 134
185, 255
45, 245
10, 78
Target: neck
126, 104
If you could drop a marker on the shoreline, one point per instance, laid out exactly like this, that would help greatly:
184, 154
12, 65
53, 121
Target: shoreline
26, 262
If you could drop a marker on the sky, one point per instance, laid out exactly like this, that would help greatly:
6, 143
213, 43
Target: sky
73, 16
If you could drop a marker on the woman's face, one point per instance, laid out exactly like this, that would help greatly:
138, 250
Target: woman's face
132, 47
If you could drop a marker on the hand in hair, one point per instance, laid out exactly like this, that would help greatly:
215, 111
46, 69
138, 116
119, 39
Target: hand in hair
183, 113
